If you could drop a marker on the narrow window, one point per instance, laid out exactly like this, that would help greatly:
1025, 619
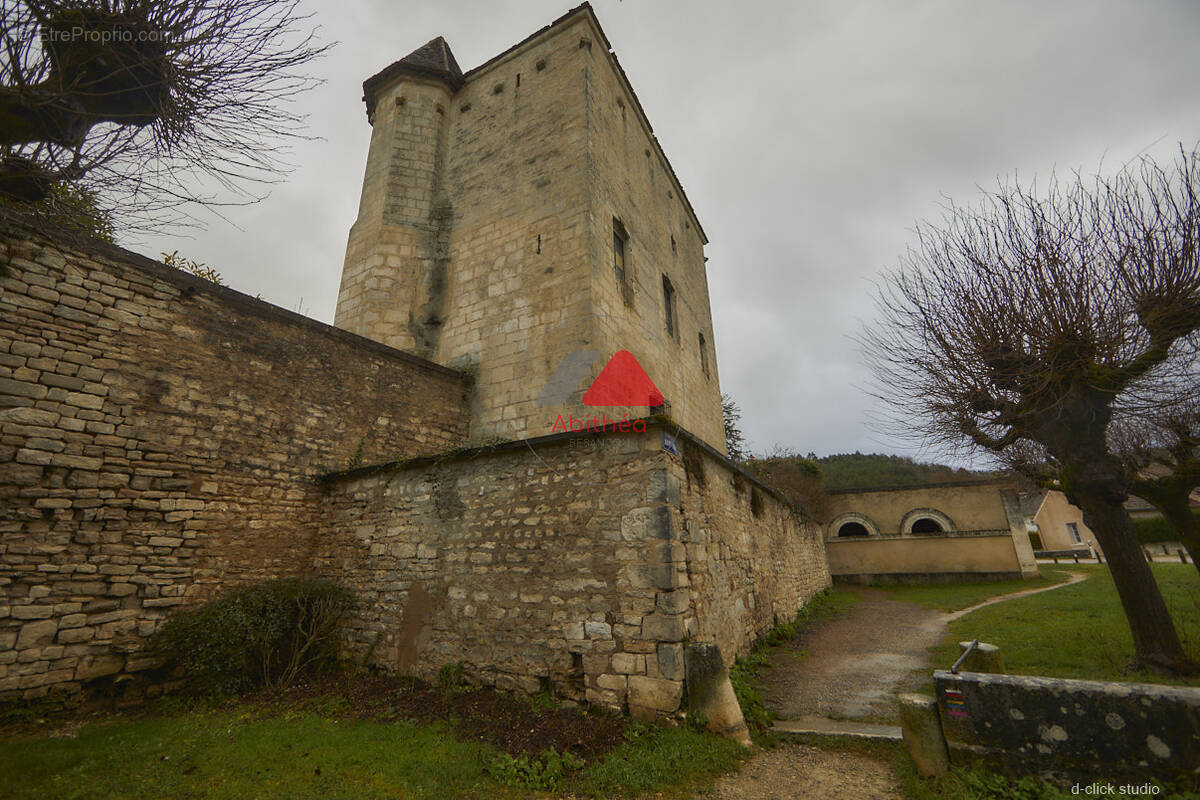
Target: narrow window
620, 246
673, 250
703, 356
669, 308
1074, 529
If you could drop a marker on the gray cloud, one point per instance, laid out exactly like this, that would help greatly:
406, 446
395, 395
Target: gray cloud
809, 136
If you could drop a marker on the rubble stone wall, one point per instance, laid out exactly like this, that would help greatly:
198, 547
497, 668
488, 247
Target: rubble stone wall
579, 563
160, 437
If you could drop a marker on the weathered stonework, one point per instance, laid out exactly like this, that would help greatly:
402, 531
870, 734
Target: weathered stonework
1074, 730
163, 439
484, 236
576, 562
159, 440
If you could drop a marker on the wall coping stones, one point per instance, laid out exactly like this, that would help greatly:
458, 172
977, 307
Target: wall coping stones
1070, 728
653, 422
191, 284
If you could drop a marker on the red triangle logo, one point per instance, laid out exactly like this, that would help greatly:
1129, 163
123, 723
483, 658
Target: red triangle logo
623, 382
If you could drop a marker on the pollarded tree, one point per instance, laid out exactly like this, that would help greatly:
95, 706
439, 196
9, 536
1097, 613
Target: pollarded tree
141, 101
1018, 325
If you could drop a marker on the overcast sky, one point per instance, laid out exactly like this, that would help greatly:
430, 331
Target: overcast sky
809, 136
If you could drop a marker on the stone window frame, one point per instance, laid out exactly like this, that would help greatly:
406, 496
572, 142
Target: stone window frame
670, 307
620, 251
912, 517
851, 516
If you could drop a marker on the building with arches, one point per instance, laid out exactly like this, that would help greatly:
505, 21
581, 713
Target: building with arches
965, 530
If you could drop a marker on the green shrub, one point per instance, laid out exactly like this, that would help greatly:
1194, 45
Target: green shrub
1157, 529
267, 634
452, 679
542, 772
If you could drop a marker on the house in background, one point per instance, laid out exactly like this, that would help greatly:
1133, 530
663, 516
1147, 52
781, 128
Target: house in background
1056, 527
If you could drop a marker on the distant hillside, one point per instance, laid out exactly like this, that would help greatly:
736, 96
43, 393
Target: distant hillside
865, 470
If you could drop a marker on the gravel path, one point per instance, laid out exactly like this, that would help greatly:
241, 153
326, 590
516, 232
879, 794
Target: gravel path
801, 772
852, 667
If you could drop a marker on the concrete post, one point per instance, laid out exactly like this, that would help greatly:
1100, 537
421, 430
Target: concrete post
984, 658
710, 693
921, 727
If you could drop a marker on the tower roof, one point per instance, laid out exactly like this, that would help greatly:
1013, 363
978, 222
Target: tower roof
431, 60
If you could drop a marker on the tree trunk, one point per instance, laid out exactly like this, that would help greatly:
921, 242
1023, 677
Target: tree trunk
1155, 641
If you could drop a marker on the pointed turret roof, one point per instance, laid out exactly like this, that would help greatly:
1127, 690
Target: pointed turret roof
431, 60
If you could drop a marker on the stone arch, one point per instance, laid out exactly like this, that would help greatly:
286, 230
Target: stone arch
926, 521
856, 525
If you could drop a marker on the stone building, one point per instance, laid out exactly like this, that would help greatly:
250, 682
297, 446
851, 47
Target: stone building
163, 438
955, 531
521, 221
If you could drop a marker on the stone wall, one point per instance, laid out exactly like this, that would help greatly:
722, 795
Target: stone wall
159, 439
750, 560
1071, 729
577, 562
928, 558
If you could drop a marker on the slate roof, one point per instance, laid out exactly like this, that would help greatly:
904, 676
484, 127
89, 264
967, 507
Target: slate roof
432, 59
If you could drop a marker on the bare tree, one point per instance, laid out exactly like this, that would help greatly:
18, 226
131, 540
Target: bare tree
1016, 326
1162, 455
142, 101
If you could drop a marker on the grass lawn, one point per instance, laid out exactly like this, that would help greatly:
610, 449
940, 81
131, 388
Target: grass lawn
1078, 631
953, 596
318, 749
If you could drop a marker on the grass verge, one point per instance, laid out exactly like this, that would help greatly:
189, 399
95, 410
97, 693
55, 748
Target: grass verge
955, 596
370, 738
1078, 631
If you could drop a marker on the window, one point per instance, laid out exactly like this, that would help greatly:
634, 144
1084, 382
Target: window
852, 529
1074, 530
927, 525
669, 308
620, 248
703, 356
673, 249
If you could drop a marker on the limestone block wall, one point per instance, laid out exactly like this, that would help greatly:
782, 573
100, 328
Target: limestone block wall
484, 239
579, 562
159, 440
527, 564
471, 242
633, 182
750, 560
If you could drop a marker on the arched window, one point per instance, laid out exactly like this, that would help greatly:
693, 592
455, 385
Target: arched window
851, 525
926, 521
927, 525
853, 529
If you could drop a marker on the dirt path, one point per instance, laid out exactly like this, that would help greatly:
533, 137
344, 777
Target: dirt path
849, 668
801, 772
852, 666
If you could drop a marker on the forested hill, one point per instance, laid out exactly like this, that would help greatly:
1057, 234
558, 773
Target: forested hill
865, 470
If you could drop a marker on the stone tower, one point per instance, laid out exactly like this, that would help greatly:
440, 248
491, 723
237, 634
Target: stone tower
520, 221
